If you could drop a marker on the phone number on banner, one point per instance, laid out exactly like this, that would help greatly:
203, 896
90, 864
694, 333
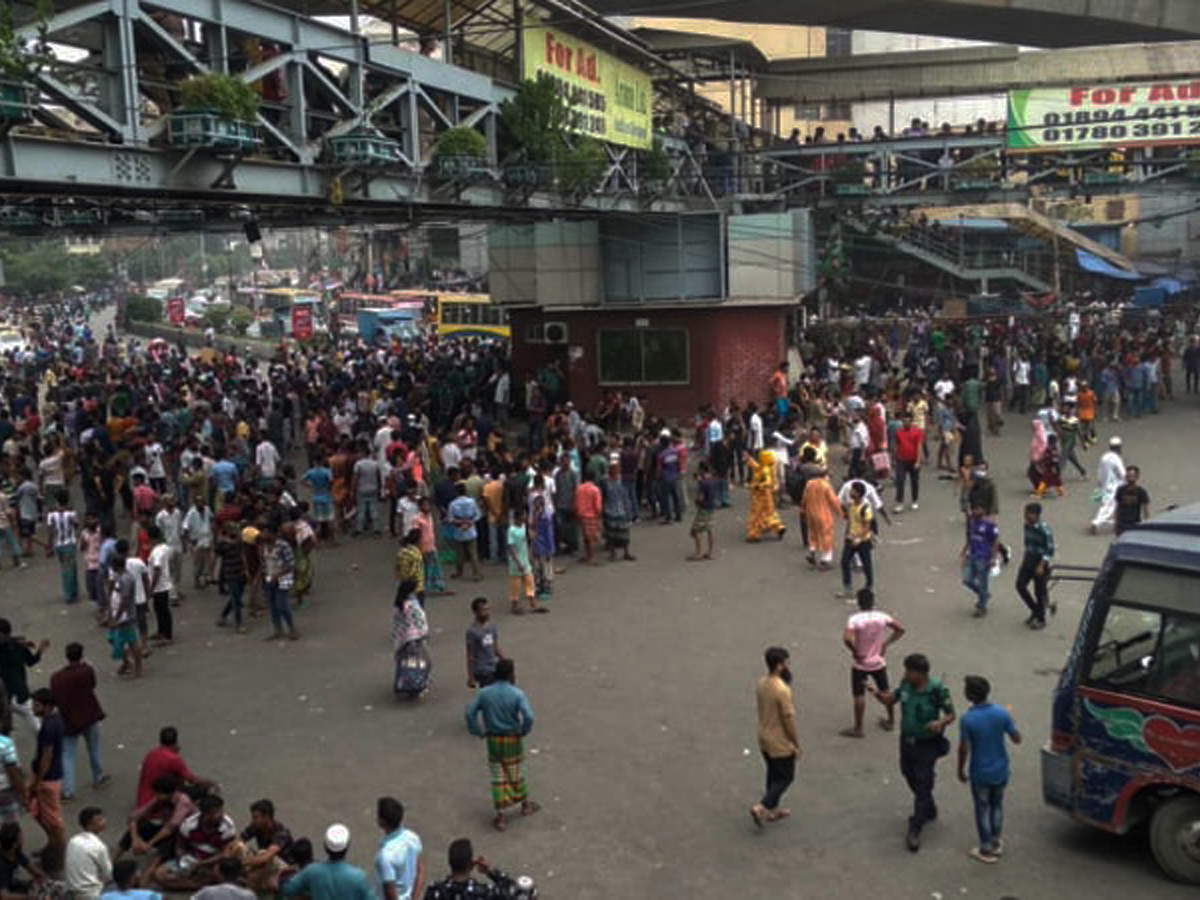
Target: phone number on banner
1165, 124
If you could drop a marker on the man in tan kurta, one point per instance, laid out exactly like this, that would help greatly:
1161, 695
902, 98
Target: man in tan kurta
777, 737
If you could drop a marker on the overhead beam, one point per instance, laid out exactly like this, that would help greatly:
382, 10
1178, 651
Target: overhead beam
1036, 23
971, 71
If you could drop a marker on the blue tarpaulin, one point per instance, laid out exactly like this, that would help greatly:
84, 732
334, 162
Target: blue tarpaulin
1170, 285
1090, 262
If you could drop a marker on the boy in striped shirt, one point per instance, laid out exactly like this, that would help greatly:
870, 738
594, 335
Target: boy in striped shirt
61, 542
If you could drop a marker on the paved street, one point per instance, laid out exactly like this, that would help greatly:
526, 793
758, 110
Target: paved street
642, 682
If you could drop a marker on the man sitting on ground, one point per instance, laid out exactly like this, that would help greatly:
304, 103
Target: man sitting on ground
231, 870
461, 886
268, 846
154, 825
17, 873
205, 837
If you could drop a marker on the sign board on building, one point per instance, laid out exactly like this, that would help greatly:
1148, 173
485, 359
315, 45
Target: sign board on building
1089, 117
611, 101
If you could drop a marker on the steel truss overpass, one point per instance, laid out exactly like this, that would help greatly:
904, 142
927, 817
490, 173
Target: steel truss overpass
93, 150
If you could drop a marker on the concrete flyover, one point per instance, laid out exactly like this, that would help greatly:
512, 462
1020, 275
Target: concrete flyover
971, 71
1036, 23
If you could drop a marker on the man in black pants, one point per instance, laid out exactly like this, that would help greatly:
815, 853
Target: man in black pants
1035, 566
926, 710
777, 737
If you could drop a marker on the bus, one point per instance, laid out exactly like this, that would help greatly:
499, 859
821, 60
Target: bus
275, 307
350, 304
1125, 721
471, 315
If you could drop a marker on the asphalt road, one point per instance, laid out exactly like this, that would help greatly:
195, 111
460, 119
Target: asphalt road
642, 680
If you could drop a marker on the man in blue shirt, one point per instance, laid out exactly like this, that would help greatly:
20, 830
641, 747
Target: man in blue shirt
224, 476
984, 726
398, 866
978, 555
334, 879
463, 513
506, 719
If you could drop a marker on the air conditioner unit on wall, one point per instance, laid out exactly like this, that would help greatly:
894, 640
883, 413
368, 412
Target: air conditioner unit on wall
556, 333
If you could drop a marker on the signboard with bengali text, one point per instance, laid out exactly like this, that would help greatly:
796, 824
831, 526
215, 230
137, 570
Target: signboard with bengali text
1091, 117
302, 322
611, 101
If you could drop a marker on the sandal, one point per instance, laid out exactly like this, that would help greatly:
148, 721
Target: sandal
529, 807
756, 816
499, 823
851, 733
887, 725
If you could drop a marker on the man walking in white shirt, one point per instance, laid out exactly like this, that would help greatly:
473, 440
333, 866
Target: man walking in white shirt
1110, 475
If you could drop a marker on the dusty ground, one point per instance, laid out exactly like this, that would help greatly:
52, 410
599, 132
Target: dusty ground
642, 681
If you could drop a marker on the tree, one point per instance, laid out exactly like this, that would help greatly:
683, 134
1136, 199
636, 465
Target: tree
45, 267
143, 309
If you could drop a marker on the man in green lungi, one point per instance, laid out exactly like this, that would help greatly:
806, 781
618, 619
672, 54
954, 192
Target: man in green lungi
506, 719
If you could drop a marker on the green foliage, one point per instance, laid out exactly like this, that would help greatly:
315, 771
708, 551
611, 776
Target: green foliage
143, 309
536, 120
226, 95
460, 141
21, 58
581, 169
240, 319
45, 267
217, 318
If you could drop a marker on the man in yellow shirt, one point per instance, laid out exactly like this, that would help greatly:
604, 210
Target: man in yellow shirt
820, 450
777, 737
859, 538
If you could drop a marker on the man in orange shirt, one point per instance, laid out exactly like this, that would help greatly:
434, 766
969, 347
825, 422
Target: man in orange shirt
588, 507
1087, 414
779, 389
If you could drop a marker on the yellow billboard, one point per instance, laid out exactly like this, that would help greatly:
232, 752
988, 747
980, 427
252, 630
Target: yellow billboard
609, 100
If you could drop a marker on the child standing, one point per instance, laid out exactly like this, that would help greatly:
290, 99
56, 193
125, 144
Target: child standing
520, 571
435, 580
543, 545
706, 502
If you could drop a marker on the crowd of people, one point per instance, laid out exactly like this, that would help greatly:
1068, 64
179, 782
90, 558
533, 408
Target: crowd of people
140, 464
150, 462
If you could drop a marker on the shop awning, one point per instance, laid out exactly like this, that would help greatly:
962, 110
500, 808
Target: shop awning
1089, 262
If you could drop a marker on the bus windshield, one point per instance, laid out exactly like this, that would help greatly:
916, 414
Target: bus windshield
1149, 641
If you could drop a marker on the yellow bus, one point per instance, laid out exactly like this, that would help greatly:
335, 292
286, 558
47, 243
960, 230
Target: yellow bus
471, 315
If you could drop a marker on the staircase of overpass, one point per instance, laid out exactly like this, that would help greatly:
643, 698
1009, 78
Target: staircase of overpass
982, 268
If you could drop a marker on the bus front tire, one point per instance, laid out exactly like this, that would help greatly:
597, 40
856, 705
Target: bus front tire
1175, 838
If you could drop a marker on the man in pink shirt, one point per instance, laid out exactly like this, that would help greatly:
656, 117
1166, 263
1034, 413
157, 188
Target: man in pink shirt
868, 634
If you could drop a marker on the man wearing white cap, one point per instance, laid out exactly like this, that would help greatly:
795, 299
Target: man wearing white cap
334, 879
1110, 475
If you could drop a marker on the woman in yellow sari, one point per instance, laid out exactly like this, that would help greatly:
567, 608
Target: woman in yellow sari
762, 497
